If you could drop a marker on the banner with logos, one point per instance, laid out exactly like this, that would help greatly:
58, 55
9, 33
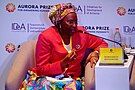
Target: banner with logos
22, 20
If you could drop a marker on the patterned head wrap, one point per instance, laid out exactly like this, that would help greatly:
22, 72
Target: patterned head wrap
59, 11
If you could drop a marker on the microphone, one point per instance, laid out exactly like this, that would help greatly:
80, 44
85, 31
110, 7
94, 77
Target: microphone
84, 32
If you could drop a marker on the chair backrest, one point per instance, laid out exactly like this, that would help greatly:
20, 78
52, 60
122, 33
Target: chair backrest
23, 59
28, 49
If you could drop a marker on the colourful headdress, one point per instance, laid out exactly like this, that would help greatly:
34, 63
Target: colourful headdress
59, 11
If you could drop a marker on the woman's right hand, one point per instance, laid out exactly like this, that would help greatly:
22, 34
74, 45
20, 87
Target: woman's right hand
68, 58
92, 58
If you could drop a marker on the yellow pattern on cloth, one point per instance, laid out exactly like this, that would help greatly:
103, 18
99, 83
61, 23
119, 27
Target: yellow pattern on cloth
34, 82
59, 11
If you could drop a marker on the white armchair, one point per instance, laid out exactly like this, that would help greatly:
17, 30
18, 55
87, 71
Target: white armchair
23, 60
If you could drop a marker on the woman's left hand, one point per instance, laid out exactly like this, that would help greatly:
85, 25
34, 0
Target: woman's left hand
92, 58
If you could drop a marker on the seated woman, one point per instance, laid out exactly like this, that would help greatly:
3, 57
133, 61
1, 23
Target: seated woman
61, 49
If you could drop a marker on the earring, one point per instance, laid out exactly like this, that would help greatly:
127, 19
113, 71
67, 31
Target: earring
59, 26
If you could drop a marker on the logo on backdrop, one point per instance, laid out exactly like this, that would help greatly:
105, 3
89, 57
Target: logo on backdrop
34, 8
129, 30
87, 9
10, 7
19, 27
27, 27
97, 29
123, 11
131, 11
10, 47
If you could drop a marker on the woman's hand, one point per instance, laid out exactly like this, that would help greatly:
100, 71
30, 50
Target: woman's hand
69, 57
92, 58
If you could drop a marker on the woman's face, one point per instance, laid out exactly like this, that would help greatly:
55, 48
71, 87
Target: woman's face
69, 23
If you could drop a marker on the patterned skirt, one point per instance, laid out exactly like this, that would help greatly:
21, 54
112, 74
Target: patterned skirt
34, 82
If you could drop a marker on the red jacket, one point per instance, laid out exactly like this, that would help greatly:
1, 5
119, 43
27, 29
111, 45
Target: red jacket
50, 50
